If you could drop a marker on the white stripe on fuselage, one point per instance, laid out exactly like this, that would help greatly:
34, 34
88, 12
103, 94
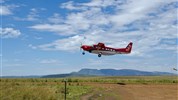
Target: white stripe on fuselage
104, 52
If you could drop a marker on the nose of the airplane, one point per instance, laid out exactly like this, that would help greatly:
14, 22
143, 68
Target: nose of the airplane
84, 47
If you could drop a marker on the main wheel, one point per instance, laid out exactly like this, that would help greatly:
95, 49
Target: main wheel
99, 55
83, 53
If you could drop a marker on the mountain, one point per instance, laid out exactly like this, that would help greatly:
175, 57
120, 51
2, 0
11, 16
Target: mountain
122, 72
107, 72
95, 72
73, 74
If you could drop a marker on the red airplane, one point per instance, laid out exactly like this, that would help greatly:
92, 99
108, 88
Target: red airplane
101, 49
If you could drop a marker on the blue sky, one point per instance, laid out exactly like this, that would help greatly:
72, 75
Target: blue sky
43, 37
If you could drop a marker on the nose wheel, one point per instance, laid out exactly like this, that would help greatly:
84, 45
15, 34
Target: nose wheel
83, 53
99, 55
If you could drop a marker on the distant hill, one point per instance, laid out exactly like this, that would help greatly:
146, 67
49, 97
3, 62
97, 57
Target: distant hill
31, 76
73, 74
107, 72
95, 72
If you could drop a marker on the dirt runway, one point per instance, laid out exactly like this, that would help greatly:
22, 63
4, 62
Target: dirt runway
132, 92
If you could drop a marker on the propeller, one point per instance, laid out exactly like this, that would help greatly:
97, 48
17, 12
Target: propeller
82, 45
81, 48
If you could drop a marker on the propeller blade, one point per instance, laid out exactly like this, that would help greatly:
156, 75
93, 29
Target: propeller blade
80, 46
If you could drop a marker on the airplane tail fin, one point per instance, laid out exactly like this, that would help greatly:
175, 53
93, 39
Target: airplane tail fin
129, 47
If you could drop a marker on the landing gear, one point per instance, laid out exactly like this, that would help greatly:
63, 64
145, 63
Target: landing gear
99, 55
89, 51
83, 53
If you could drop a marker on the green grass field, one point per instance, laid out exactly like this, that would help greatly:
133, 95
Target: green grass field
40, 89
53, 89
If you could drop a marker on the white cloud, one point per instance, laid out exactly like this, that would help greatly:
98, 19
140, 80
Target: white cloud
72, 6
61, 29
94, 3
33, 15
55, 19
5, 10
9, 32
143, 22
103, 3
74, 23
135, 11
67, 44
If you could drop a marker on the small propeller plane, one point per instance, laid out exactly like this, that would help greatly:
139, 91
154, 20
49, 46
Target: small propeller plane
101, 49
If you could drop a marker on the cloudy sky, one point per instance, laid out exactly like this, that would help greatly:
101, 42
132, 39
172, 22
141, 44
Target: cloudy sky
40, 37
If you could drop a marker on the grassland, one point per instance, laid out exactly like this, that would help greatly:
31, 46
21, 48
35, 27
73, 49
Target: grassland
85, 88
40, 89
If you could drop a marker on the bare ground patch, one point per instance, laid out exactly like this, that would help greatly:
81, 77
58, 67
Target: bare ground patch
132, 92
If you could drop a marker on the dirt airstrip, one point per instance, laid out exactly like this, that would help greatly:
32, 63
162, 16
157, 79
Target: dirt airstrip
132, 92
